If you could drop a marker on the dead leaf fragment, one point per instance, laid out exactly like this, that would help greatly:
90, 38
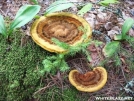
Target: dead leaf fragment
131, 32
111, 33
108, 26
101, 17
90, 18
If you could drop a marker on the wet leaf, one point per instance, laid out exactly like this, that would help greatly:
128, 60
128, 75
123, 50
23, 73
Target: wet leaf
111, 48
85, 9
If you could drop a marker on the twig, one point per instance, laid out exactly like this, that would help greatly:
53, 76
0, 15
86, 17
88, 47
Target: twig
124, 74
3, 12
43, 89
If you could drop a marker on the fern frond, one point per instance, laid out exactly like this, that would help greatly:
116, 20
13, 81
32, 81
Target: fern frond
87, 54
97, 43
64, 66
61, 44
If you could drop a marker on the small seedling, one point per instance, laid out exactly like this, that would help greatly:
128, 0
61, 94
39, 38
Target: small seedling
57, 61
23, 16
113, 46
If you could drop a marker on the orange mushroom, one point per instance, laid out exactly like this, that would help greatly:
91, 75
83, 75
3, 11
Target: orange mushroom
63, 26
89, 82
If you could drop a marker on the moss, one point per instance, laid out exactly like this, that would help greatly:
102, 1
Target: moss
56, 94
19, 68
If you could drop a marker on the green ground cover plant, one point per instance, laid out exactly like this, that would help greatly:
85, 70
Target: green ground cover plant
113, 46
114, 49
25, 14
19, 72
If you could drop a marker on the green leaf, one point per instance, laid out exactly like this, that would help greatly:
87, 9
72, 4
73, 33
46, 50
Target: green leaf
111, 48
107, 2
2, 26
58, 6
118, 37
85, 9
24, 15
126, 26
129, 38
34, 1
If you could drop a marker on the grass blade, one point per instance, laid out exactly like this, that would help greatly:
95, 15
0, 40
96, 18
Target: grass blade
2, 26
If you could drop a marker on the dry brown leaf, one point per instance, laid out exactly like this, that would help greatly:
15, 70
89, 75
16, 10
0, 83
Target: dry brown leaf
126, 69
90, 18
101, 17
108, 26
92, 48
112, 33
131, 32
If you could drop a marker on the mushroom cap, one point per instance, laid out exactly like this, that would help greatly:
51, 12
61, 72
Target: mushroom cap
89, 82
63, 26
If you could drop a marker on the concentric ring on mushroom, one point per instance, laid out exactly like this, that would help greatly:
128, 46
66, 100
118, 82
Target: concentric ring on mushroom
62, 26
89, 82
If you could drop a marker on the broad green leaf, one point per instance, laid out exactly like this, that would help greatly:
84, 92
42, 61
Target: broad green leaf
126, 26
111, 48
24, 15
58, 6
129, 38
34, 1
107, 2
2, 26
85, 9
118, 37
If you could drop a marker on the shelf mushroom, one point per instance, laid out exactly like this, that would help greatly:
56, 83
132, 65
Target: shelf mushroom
63, 26
89, 82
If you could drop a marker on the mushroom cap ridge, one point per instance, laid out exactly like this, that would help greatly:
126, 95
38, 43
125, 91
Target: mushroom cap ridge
90, 87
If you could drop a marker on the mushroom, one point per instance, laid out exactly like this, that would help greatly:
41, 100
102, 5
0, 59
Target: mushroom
89, 82
63, 26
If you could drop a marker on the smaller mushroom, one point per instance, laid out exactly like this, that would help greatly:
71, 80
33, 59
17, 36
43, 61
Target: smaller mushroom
89, 82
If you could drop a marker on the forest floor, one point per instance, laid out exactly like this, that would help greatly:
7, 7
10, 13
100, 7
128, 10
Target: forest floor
105, 25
